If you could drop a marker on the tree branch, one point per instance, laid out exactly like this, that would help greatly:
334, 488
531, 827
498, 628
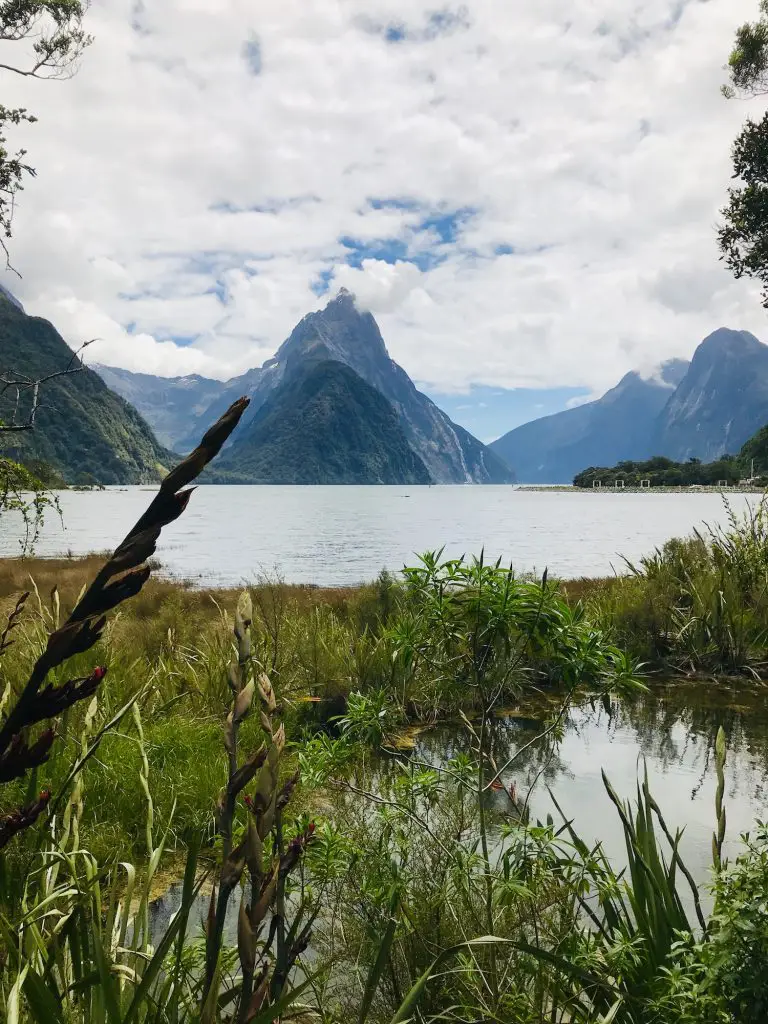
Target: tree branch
22, 385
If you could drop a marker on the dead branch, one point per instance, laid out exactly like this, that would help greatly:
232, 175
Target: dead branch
20, 386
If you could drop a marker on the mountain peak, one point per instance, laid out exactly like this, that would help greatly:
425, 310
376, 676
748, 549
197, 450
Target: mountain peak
725, 339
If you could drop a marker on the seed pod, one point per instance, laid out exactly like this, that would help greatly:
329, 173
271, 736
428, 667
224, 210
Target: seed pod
243, 614
267, 819
233, 677
286, 792
243, 701
266, 693
232, 868
246, 940
259, 994
211, 919
247, 771
260, 908
253, 851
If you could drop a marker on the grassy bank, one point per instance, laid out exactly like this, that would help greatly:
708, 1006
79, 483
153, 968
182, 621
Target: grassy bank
423, 901
697, 607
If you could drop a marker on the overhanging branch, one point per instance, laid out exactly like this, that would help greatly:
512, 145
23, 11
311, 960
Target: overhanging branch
20, 386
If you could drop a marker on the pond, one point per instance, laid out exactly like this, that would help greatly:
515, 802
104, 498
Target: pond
671, 730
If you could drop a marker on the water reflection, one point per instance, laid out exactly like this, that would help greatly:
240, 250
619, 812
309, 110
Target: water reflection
672, 729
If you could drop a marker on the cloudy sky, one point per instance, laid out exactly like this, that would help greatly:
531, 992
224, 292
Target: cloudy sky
524, 194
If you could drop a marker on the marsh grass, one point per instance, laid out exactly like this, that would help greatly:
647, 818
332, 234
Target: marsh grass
697, 605
429, 905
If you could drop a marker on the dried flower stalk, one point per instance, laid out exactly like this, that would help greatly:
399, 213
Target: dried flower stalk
121, 577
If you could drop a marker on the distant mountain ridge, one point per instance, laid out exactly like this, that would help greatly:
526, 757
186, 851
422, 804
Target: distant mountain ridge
165, 401
721, 402
82, 429
703, 409
555, 448
339, 333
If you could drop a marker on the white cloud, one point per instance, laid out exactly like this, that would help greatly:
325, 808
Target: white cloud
577, 400
180, 195
381, 287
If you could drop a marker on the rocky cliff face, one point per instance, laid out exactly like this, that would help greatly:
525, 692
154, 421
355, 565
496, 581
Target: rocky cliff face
618, 426
720, 403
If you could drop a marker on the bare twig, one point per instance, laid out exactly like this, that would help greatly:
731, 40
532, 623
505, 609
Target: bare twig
20, 385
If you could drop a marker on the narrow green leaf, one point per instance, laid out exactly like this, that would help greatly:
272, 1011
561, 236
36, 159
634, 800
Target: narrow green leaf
107, 983
155, 964
42, 1003
382, 956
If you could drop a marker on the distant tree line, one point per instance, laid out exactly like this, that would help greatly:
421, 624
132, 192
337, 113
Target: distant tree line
663, 472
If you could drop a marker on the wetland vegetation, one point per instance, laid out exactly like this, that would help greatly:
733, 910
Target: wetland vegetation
334, 863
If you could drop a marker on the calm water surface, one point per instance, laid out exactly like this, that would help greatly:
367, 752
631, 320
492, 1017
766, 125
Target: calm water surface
671, 730
345, 535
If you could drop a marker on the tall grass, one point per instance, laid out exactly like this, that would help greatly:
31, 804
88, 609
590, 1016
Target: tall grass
697, 605
405, 895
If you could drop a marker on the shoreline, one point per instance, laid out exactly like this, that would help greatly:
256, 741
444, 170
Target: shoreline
693, 489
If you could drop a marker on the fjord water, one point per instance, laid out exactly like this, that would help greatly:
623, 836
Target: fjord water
345, 535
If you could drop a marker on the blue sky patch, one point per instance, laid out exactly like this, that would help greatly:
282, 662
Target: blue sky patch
447, 225
441, 22
389, 250
394, 203
252, 55
322, 282
394, 33
488, 412
219, 289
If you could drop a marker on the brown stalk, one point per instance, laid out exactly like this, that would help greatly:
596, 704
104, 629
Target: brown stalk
13, 621
265, 804
122, 576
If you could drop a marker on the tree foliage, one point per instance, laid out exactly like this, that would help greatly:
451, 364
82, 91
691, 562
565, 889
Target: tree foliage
748, 62
663, 472
56, 28
743, 237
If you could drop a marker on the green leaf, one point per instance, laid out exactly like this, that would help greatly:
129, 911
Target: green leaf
412, 999
155, 964
107, 983
41, 1001
382, 956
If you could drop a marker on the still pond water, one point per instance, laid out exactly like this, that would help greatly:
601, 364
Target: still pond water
345, 535
671, 730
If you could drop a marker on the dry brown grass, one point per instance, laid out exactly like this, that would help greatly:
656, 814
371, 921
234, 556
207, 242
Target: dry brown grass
71, 574
198, 603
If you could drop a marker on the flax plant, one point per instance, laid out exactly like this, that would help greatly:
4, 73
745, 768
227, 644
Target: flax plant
261, 855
